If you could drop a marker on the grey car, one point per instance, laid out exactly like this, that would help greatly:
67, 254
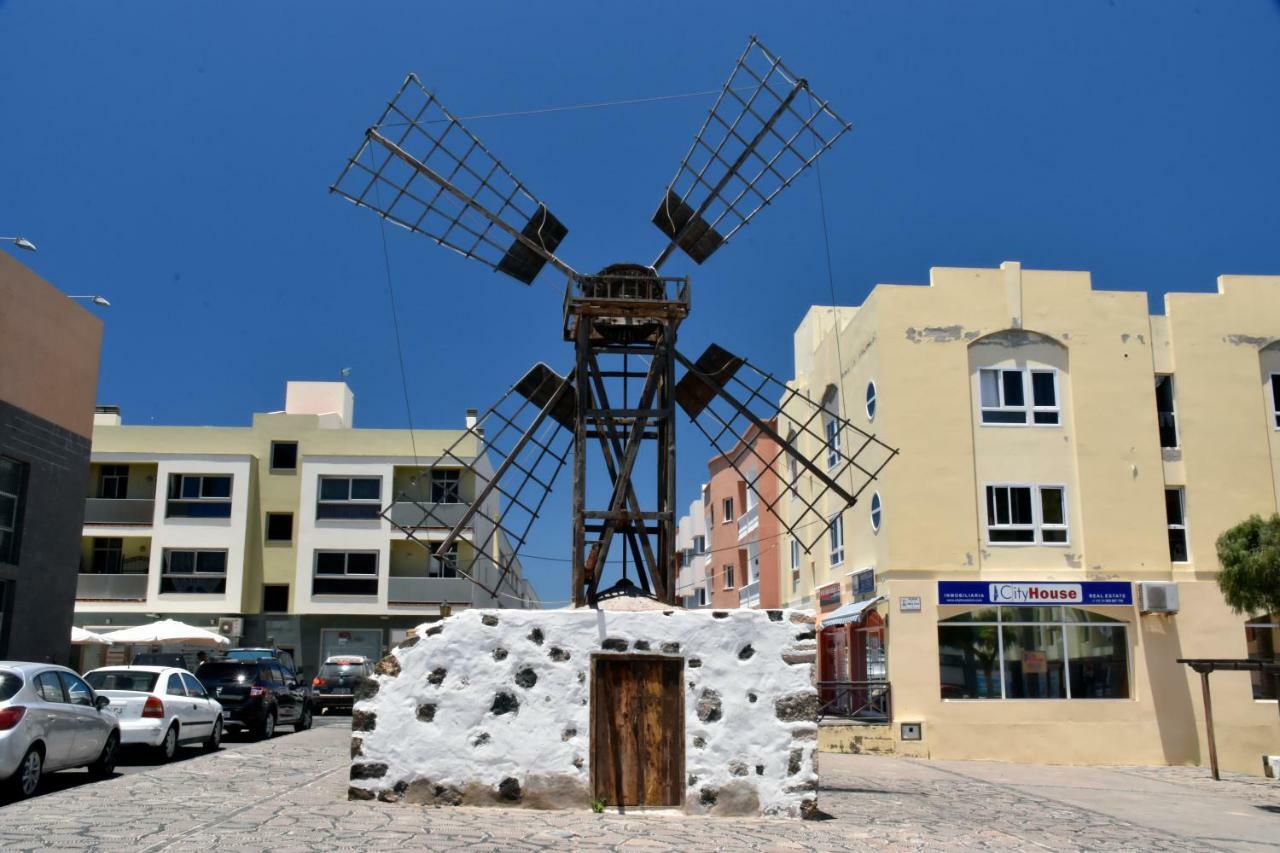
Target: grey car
50, 719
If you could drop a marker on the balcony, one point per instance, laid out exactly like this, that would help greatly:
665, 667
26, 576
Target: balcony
412, 515
865, 701
749, 521
119, 511
122, 587
420, 590
749, 595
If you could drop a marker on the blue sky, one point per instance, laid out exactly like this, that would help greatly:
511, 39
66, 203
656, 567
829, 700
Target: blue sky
176, 158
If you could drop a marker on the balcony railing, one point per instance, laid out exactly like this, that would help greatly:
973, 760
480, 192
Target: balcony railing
124, 587
410, 514
866, 701
121, 511
749, 595
411, 590
749, 521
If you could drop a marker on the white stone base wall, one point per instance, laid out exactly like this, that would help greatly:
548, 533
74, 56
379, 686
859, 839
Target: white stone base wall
492, 707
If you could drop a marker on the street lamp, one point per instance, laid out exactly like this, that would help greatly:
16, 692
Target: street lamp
96, 300
21, 243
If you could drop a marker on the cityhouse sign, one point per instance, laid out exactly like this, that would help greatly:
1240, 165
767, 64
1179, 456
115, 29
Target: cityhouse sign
1092, 593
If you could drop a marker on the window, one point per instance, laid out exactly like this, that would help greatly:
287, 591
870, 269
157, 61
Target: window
1003, 394
12, 480
444, 565
728, 576
1032, 653
707, 588
284, 456
49, 687
1175, 507
113, 482
275, 598
699, 544
77, 691
345, 573
279, 527
1262, 639
199, 496
871, 400
188, 571
1026, 515
108, 556
349, 497
876, 511
174, 686
835, 537
863, 583
193, 685
795, 564
728, 510
1166, 417
833, 443
1275, 399
444, 486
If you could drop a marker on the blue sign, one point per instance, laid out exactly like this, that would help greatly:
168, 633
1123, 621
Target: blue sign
1092, 593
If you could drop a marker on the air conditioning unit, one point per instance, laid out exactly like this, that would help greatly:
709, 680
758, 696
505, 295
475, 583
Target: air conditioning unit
1271, 766
230, 626
1158, 597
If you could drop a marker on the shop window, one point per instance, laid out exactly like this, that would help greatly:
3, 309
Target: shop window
1175, 507
1262, 639
1018, 514
1033, 653
1166, 416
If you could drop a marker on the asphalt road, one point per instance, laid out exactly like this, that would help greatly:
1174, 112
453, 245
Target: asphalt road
134, 759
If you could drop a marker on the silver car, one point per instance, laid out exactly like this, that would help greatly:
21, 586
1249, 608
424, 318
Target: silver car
50, 719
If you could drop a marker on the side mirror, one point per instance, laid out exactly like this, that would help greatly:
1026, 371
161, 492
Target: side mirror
101, 702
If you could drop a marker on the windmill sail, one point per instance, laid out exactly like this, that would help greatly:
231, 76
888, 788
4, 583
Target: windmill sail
510, 458
764, 129
761, 425
420, 168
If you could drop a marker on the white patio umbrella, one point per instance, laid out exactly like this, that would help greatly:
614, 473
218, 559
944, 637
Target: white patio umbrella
167, 631
81, 637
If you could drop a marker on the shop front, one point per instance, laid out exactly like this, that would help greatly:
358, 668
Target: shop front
853, 672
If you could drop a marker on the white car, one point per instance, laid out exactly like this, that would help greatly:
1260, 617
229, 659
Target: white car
159, 706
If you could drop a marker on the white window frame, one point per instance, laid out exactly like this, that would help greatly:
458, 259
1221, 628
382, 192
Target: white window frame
1037, 525
727, 511
1186, 536
795, 564
871, 399
1029, 409
166, 556
201, 497
835, 539
1274, 391
320, 499
831, 428
1036, 408
875, 513
443, 567
699, 545
728, 575
447, 477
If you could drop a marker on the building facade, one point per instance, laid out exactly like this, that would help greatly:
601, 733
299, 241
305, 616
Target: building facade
49, 349
693, 581
275, 533
1022, 579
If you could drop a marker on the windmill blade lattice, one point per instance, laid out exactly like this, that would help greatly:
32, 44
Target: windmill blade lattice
764, 129
529, 433
733, 403
420, 168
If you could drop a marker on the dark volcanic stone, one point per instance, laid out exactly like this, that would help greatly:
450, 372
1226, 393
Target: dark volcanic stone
366, 688
752, 698
356, 744
793, 761
613, 644
694, 663
797, 707
368, 771
807, 635
480, 739
719, 614
505, 703
558, 654
699, 742
431, 632
809, 810
509, 789
354, 793
388, 666
774, 615
709, 710
489, 619
526, 677
569, 733
409, 642
759, 769
737, 768
642, 645
693, 780
746, 653
363, 721
671, 648
578, 762
437, 675
535, 636
499, 653
708, 797
427, 712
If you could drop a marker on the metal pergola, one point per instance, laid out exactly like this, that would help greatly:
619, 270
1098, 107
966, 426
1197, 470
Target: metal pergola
1205, 666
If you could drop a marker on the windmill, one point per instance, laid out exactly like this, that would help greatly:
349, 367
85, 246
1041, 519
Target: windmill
613, 413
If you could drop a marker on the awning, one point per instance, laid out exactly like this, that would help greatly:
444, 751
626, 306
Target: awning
850, 613
81, 637
167, 631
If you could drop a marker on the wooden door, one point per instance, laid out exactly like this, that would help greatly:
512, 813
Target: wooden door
637, 730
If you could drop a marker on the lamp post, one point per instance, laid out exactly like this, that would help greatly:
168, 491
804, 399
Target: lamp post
96, 300
20, 242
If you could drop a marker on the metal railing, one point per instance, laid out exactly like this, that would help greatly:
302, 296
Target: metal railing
749, 521
121, 587
749, 595
409, 590
409, 514
868, 701
139, 511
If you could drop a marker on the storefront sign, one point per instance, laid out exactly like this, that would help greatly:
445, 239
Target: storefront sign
1092, 593
1034, 663
909, 604
829, 596
864, 582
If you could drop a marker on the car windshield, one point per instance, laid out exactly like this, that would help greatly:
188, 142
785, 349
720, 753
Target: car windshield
224, 671
345, 667
10, 683
122, 679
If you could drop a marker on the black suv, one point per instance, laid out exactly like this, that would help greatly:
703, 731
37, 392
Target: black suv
256, 695
336, 683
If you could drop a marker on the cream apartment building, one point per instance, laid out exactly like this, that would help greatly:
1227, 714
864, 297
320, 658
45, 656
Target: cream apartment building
275, 532
1021, 581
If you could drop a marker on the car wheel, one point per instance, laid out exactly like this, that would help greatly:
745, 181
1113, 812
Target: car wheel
106, 763
169, 746
304, 720
215, 736
268, 727
26, 779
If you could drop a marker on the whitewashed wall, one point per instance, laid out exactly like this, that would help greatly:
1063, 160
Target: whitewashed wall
491, 707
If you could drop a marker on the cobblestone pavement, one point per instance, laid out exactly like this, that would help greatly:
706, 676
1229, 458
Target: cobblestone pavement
290, 794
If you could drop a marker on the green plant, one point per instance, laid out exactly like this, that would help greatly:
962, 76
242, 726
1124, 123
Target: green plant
597, 805
1250, 558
